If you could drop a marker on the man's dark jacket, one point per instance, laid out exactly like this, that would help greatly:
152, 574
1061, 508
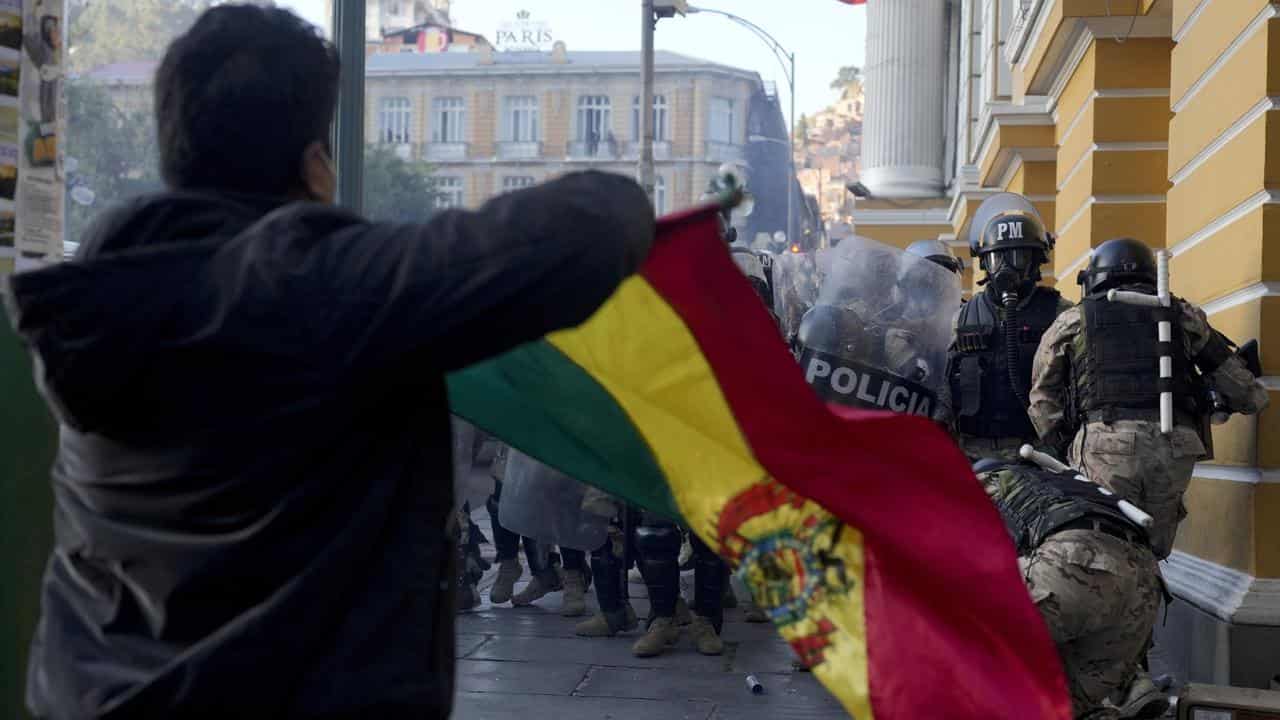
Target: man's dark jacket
253, 477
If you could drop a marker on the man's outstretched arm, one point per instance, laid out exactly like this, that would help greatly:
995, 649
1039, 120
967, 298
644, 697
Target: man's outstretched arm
468, 285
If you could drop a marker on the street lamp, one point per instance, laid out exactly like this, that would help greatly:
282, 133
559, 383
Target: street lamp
788, 62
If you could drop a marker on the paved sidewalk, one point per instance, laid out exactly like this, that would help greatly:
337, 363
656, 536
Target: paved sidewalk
526, 663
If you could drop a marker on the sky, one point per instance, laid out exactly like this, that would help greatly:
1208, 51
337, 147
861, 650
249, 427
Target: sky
823, 34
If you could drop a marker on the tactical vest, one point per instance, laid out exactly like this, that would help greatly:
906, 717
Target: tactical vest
978, 368
1116, 370
1039, 503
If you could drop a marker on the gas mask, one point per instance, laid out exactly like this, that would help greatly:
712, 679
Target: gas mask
1011, 272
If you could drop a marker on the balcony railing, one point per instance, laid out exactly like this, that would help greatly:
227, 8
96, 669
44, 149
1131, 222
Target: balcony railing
594, 150
661, 150
446, 151
724, 152
508, 150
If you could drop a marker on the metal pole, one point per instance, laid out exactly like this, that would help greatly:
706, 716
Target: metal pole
348, 125
791, 147
647, 22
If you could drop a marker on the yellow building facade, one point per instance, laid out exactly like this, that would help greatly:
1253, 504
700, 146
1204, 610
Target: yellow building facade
1160, 120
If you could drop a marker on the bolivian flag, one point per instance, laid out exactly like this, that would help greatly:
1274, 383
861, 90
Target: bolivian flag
864, 534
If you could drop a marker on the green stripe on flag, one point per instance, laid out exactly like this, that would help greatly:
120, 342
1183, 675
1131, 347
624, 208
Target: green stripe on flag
539, 401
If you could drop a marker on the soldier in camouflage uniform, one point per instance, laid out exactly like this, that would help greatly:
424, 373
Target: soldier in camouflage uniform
1090, 572
995, 335
1095, 387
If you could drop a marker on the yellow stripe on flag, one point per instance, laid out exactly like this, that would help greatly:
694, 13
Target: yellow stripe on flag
640, 351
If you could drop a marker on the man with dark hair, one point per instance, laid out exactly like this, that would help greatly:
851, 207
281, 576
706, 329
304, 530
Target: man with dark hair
253, 483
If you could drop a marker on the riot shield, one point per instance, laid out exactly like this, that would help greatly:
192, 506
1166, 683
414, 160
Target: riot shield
796, 278
877, 336
545, 504
464, 442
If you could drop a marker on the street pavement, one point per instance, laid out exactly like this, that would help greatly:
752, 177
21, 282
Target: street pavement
527, 664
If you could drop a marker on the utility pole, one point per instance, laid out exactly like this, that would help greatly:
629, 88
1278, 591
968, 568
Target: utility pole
650, 12
647, 22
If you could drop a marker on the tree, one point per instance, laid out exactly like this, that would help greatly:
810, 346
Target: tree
847, 76
396, 190
109, 31
110, 153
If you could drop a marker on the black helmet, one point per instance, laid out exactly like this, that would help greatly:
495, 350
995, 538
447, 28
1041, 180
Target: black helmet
1009, 239
1118, 261
1009, 231
1006, 220
938, 252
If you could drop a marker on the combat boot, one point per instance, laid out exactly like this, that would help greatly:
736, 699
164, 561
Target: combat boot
683, 616
608, 624
705, 637
540, 585
509, 571
1144, 699
575, 594
662, 633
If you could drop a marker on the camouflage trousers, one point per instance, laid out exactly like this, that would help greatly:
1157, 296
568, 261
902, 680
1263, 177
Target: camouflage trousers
1099, 595
976, 448
1145, 467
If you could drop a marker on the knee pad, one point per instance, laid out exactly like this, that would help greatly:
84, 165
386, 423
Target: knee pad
657, 541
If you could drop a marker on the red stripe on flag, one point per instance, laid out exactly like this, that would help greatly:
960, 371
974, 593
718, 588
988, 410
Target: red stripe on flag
853, 2
951, 630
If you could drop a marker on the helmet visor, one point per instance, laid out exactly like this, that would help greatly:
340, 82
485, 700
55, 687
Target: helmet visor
1018, 259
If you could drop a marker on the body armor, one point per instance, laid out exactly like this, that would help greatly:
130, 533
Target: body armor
1116, 373
1037, 503
985, 403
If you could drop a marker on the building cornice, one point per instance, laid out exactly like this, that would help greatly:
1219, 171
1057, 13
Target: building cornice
1225, 593
1213, 227
885, 216
1153, 146
1247, 294
1260, 21
1234, 473
1190, 21
1259, 109
1071, 41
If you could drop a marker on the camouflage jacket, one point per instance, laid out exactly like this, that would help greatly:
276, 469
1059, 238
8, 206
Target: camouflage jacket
1063, 345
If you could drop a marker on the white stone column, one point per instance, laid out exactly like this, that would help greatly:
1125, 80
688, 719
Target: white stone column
903, 138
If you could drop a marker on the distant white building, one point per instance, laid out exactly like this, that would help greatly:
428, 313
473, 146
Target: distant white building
388, 16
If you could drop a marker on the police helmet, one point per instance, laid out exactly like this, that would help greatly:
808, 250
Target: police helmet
1008, 225
1118, 261
938, 252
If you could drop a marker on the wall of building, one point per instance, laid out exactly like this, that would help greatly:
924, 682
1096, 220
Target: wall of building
685, 159
1159, 120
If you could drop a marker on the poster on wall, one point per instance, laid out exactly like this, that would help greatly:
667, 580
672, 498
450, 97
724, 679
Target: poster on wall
33, 170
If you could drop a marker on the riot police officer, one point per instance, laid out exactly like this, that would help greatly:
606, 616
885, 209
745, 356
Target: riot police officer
609, 565
1090, 572
1096, 386
996, 334
658, 542
545, 577
937, 251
